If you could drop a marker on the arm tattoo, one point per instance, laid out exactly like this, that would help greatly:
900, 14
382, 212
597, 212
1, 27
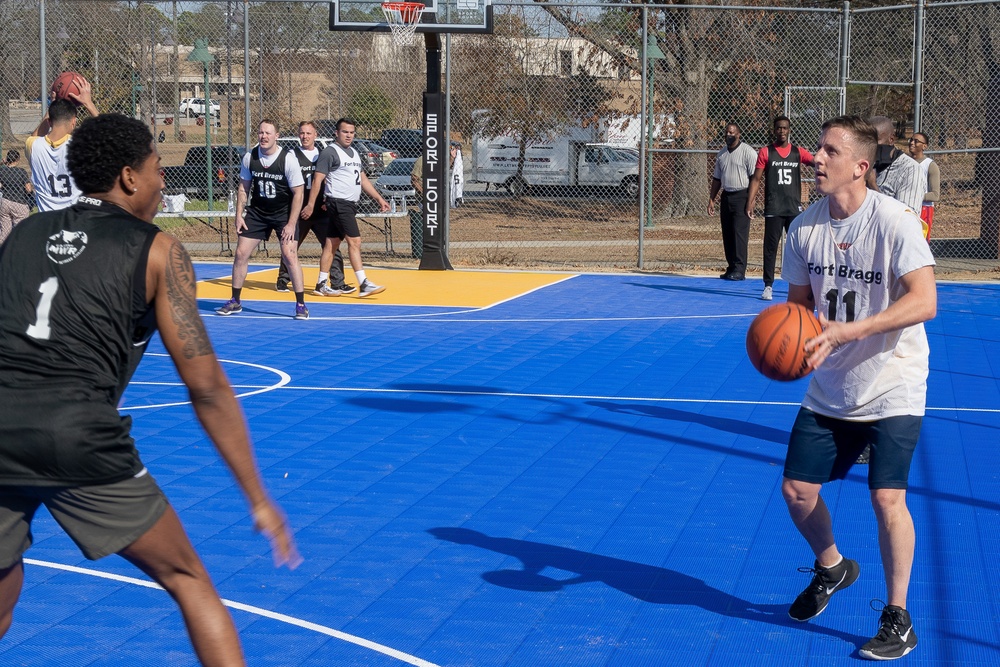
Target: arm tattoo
181, 290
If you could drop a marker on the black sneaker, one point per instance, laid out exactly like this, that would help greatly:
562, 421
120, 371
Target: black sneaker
827, 580
895, 636
281, 286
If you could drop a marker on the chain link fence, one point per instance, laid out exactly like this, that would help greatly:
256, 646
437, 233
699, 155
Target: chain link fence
588, 132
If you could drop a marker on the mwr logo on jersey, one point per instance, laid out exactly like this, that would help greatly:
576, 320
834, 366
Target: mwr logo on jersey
66, 246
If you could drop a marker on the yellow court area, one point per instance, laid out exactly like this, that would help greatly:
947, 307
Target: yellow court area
404, 287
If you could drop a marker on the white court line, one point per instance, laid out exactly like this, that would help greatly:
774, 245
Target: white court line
568, 397
283, 379
291, 620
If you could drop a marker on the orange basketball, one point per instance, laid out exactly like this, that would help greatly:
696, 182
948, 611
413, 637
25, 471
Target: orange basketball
65, 84
776, 340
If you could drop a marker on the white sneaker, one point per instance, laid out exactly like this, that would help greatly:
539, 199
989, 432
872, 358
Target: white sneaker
767, 295
368, 288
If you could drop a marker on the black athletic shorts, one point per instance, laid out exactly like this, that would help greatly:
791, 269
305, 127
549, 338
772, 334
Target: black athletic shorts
102, 519
260, 225
822, 449
343, 220
318, 223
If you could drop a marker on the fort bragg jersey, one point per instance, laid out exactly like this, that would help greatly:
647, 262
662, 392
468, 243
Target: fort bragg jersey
853, 267
270, 187
307, 163
343, 170
74, 323
783, 183
50, 177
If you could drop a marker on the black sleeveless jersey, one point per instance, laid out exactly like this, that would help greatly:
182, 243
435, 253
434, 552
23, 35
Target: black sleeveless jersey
783, 183
269, 191
308, 168
74, 323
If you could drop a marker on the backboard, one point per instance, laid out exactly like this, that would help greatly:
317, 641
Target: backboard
455, 16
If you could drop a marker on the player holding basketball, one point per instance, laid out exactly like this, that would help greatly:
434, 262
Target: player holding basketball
84, 290
859, 258
271, 178
50, 178
341, 177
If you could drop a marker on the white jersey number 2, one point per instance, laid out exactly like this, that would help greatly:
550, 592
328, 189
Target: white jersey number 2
40, 330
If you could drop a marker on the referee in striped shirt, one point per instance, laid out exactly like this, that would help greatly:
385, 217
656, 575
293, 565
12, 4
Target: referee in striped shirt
734, 165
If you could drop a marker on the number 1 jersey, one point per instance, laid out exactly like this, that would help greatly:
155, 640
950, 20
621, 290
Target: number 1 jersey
74, 323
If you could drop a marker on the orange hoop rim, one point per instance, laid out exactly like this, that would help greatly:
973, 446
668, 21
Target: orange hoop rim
405, 7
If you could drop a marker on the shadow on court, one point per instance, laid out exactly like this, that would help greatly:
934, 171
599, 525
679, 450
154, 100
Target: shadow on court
656, 585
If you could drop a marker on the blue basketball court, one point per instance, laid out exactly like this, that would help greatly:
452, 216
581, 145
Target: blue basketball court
582, 474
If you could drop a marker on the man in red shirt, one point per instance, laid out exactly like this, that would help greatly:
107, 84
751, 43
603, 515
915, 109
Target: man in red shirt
781, 165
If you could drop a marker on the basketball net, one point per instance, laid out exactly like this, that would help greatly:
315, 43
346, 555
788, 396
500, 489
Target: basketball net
402, 18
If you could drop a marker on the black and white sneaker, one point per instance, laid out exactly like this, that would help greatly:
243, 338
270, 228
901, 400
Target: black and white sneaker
346, 288
826, 581
281, 286
864, 456
369, 288
322, 289
895, 636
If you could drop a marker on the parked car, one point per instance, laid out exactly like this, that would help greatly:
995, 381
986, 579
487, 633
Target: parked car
193, 107
191, 178
405, 143
373, 156
387, 154
395, 180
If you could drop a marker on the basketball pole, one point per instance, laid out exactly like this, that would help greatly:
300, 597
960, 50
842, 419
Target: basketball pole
435, 160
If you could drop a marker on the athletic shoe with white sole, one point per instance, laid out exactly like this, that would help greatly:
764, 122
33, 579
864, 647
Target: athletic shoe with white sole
826, 581
346, 288
368, 288
767, 294
895, 636
230, 307
301, 312
322, 289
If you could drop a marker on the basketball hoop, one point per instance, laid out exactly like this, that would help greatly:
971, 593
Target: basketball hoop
402, 18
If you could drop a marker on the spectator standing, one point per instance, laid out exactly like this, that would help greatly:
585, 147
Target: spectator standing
896, 173
15, 194
269, 199
870, 367
781, 166
918, 142
734, 165
457, 176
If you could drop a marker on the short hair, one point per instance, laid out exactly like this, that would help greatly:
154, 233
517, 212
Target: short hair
61, 110
104, 145
863, 134
778, 119
736, 125
307, 122
269, 122
884, 127
347, 121
923, 136
13, 155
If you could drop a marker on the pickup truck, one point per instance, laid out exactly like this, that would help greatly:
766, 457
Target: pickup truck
195, 106
191, 178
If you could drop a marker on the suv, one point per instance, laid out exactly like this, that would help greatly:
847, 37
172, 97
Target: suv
405, 143
195, 106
